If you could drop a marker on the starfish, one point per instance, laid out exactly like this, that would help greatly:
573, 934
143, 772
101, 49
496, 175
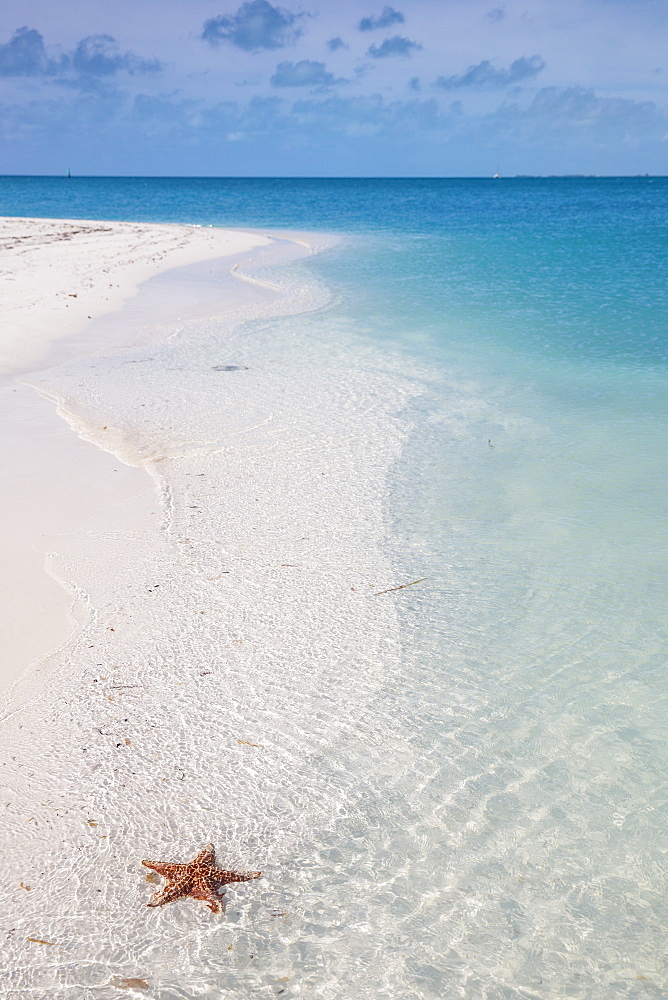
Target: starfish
199, 879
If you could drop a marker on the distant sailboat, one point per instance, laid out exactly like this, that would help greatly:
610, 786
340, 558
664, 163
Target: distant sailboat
68, 172
496, 177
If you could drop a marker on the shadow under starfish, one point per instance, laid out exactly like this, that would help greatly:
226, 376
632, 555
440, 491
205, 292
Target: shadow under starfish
197, 879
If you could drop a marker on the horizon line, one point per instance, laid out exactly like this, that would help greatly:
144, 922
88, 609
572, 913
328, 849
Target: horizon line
339, 177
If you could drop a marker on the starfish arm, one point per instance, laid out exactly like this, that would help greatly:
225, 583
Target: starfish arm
207, 856
210, 896
224, 877
175, 890
164, 868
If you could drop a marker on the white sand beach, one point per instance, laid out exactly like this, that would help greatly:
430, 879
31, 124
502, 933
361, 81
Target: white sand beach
57, 277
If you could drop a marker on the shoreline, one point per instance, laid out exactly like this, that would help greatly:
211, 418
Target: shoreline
44, 456
59, 274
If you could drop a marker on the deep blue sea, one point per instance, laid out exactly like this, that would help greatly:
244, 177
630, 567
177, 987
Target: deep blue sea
523, 844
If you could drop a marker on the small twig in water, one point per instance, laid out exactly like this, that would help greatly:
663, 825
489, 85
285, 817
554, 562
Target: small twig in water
402, 587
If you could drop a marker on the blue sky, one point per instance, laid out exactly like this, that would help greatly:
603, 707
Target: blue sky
336, 88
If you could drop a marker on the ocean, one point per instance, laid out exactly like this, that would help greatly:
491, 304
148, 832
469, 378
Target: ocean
462, 793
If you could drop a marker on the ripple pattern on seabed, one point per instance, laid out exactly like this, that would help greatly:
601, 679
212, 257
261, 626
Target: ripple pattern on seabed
536, 649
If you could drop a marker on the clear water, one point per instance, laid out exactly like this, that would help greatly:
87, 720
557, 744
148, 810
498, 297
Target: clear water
464, 794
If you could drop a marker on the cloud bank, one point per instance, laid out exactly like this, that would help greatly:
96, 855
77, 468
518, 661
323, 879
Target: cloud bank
24, 55
95, 56
387, 17
255, 26
334, 44
485, 75
304, 73
99, 55
395, 46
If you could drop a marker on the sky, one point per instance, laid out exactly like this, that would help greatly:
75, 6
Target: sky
448, 88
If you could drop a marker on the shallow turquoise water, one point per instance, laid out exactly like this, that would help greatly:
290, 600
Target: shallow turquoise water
512, 843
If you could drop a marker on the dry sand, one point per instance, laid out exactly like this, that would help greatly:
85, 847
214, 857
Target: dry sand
56, 275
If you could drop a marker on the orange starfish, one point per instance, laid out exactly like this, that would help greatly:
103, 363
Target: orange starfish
199, 879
